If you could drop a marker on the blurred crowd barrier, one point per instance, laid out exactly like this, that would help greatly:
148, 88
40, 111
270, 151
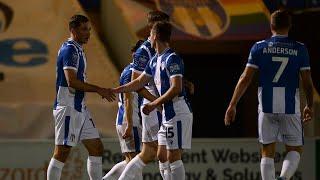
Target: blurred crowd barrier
214, 159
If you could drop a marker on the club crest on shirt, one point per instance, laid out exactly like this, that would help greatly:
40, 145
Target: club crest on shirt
163, 65
174, 68
142, 61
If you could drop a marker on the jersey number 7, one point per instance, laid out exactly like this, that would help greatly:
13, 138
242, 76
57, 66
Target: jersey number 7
284, 63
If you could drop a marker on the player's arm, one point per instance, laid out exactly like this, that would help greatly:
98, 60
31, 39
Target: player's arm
307, 85
242, 85
174, 90
133, 85
308, 89
189, 85
75, 83
128, 114
143, 91
175, 69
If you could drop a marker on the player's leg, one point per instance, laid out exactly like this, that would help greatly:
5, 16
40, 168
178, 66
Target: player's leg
291, 162
94, 161
268, 125
164, 165
179, 134
292, 130
148, 153
65, 138
90, 138
129, 147
56, 164
267, 161
117, 169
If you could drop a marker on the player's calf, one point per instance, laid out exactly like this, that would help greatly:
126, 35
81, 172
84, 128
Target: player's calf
267, 161
291, 161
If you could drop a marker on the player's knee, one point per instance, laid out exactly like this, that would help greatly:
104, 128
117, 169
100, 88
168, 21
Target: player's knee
100, 148
268, 150
162, 156
174, 155
61, 153
96, 149
294, 148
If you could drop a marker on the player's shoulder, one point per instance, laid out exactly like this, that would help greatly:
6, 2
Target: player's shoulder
299, 44
171, 55
68, 47
259, 45
127, 70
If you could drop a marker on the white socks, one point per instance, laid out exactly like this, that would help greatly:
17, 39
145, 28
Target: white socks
177, 170
116, 171
133, 169
290, 164
54, 169
267, 168
165, 170
94, 167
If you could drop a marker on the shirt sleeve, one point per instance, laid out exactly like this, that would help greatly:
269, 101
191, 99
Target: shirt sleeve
127, 78
175, 66
304, 59
140, 60
252, 59
70, 58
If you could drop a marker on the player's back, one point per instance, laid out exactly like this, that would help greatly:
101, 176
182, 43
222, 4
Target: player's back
125, 78
141, 58
279, 60
163, 67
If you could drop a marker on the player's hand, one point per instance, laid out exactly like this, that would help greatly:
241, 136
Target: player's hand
127, 132
307, 114
147, 108
230, 115
106, 94
190, 86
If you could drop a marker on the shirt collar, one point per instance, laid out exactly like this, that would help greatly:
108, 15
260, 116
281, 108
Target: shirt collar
75, 43
164, 51
280, 36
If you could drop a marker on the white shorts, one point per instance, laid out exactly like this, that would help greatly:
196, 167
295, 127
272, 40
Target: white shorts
286, 128
150, 125
177, 132
72, 126
129, 144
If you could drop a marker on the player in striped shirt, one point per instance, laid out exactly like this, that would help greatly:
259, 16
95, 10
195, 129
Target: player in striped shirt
280, 62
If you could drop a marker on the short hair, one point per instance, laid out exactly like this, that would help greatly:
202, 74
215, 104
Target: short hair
156, 16
280, 19
163, 30
136, 46
76, 20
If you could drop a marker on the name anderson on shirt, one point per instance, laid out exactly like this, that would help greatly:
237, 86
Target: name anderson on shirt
280, 50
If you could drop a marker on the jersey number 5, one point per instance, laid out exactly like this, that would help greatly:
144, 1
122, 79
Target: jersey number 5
284, 62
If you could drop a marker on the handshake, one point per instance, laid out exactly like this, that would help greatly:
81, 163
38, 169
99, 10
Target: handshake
108, 93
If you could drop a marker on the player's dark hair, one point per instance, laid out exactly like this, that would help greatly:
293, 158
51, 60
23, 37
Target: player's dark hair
280, 19
163, 30
156, 16
136, 46
76, 20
